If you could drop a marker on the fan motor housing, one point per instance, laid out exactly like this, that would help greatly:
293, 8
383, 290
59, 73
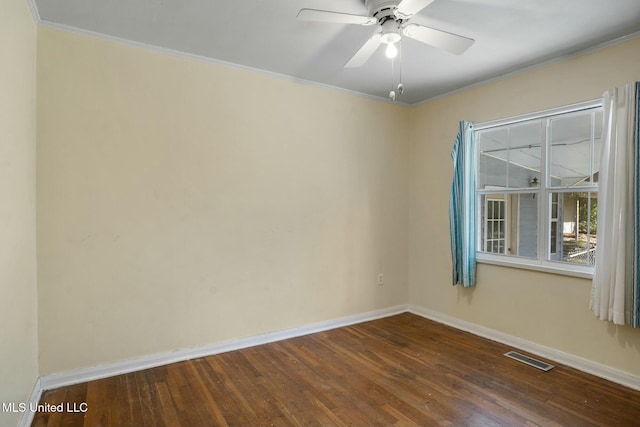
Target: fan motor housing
382, 10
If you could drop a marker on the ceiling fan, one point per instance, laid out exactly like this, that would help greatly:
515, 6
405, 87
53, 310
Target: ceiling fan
393, 17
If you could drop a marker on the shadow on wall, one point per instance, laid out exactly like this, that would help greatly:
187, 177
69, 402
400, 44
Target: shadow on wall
465, 294
627, 336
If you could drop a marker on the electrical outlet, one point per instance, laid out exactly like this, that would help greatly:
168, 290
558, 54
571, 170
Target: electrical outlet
380, 279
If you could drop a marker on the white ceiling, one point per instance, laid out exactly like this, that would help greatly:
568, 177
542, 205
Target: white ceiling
265, 34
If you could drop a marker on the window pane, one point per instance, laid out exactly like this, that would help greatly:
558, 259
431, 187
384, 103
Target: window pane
510, 224
510, 155
527, 225
492, 169
575, 148
576, 228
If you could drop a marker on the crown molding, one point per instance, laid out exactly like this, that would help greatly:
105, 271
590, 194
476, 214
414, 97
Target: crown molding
533, 67
201, 58
34, 11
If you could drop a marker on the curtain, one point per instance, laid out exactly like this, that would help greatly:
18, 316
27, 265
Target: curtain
462, 208
615, 290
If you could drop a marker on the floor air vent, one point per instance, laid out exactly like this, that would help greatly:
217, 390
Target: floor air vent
529, 361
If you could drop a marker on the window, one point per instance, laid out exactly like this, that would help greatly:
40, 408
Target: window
537, 188
494, 226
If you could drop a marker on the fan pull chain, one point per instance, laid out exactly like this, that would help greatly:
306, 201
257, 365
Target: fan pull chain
400, 85
392, 93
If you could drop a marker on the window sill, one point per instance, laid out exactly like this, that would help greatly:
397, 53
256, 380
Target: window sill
535, 266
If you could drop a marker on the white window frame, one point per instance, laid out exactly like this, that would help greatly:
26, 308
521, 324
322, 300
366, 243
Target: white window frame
544, 193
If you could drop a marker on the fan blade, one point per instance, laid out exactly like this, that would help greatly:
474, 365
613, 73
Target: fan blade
453, 43
336, 17
365, 52
407, 8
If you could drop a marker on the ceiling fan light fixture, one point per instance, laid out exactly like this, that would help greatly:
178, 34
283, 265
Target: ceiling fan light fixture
390, 32
390, 38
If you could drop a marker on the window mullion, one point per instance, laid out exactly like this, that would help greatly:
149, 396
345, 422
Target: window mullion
543, 203
592, 147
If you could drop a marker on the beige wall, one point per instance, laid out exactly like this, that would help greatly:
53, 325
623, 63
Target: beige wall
18, 340
547, 309
182, 203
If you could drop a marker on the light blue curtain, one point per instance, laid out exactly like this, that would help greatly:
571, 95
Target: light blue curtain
462, 208
615, 291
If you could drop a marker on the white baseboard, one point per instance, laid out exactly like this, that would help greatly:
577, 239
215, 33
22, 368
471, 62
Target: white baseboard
52, 381
27, 416
588, 366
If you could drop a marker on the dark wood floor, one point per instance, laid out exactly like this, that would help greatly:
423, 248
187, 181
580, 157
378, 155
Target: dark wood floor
402, 370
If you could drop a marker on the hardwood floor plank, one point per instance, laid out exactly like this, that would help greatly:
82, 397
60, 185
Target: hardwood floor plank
169, 413
398, 371
186, 396
207, 391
